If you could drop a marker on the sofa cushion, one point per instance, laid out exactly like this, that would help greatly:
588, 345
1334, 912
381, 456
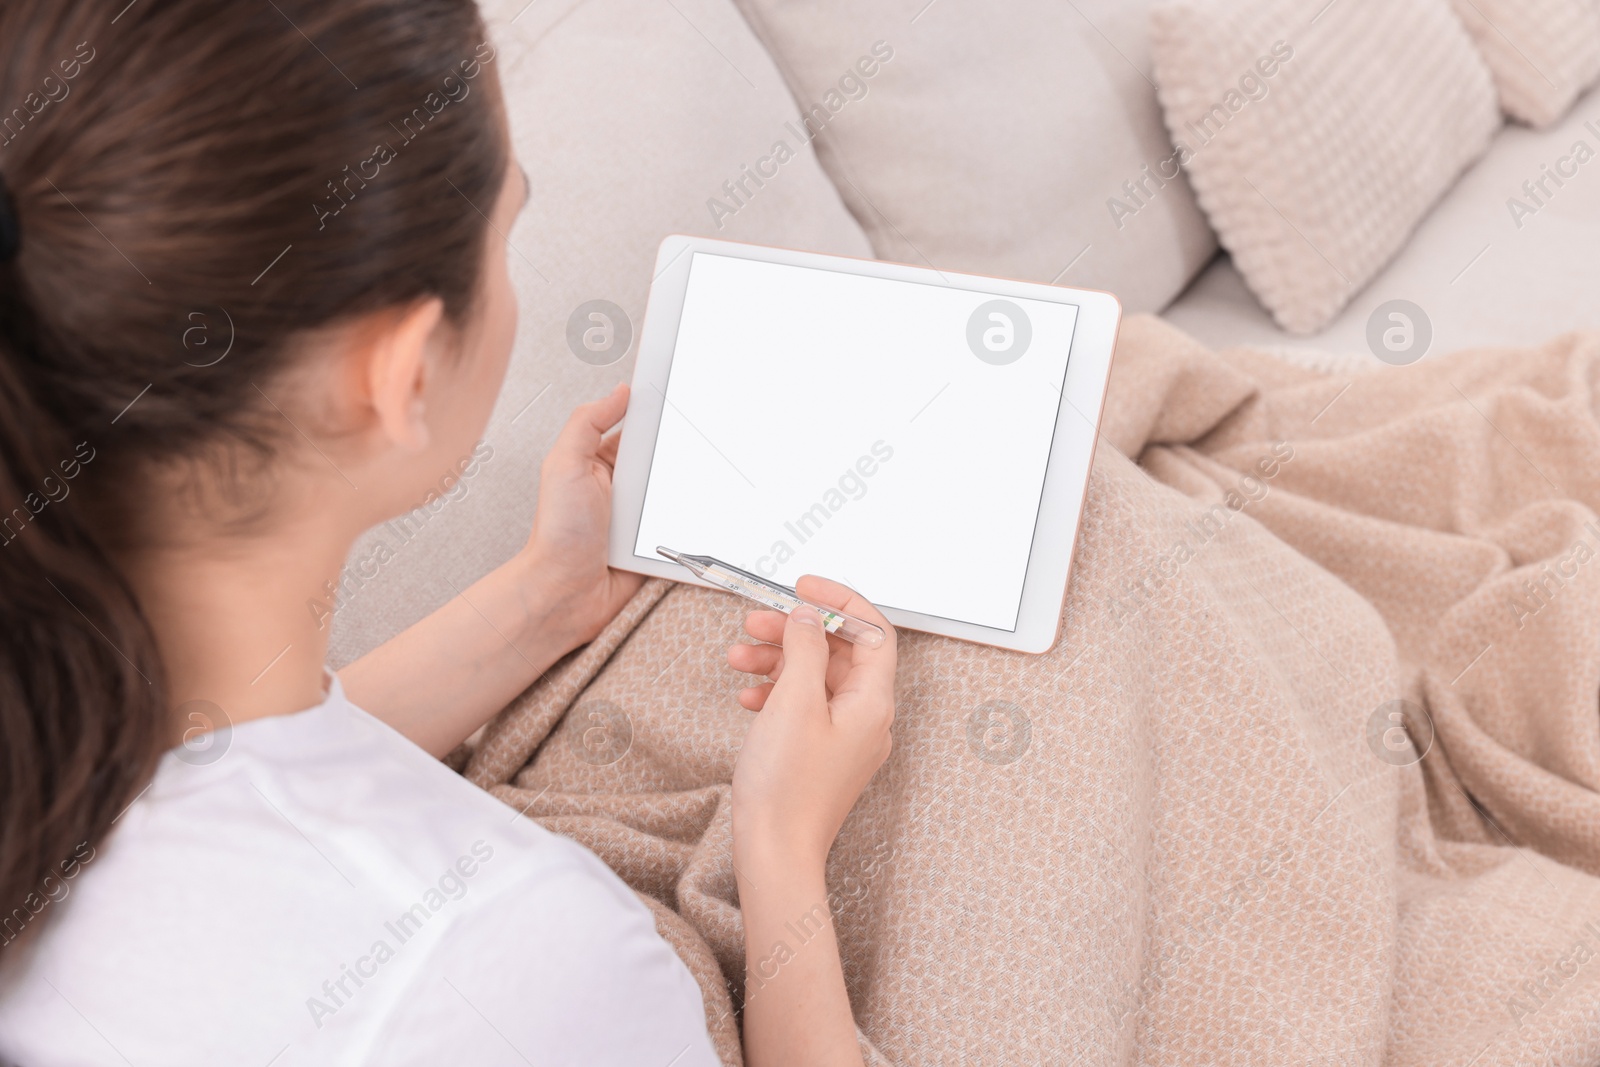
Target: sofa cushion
628, 116
1542, 53
1505, 259
1317, 140
998, 140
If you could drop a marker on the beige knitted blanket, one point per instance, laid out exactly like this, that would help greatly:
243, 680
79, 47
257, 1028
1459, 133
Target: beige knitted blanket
1195, 832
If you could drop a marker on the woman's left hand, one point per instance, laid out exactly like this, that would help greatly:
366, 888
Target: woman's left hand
566, 553
444, 677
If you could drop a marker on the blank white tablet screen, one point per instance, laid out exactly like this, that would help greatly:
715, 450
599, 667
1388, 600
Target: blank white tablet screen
866, 429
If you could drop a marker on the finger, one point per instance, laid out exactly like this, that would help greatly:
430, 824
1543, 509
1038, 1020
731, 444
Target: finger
755, 697
589, 423
620, 587
805, 657
607, 452
876, 665
766, 626
840, 663
757, 659
829, 593
833, 594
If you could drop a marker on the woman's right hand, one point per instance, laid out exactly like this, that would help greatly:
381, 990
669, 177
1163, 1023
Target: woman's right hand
822, 732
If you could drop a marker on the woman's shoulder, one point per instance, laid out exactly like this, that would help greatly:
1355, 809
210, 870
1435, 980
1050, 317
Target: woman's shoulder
331, 805
297, 890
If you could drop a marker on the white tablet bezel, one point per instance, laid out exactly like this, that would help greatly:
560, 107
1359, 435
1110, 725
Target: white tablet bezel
1066, 474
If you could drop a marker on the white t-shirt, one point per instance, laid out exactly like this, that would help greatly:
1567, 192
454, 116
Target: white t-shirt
325, 892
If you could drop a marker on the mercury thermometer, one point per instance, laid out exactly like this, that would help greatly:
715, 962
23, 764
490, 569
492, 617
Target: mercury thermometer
771, 594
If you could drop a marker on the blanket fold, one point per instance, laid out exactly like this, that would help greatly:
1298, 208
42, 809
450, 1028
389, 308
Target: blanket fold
1311, 775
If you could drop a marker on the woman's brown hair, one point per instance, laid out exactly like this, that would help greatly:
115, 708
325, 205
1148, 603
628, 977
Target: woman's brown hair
194, 183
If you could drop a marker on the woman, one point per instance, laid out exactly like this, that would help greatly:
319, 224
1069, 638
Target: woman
254, 301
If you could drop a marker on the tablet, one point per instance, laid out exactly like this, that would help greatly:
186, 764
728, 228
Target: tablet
922, 436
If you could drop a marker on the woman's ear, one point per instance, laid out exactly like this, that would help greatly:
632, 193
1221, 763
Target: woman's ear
399, 363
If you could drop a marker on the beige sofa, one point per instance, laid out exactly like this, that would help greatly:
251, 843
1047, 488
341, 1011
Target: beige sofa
988, 138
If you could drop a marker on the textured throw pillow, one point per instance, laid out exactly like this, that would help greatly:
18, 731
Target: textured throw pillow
1316, 140
1021, 139
630, 117
1542, 53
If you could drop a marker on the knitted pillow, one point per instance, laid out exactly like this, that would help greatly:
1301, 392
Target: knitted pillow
1542, 53
1316, 140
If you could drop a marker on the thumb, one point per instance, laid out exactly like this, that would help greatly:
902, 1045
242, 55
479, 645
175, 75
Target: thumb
805, 655
589, 423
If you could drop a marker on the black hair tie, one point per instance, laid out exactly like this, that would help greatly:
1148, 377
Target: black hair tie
10, 234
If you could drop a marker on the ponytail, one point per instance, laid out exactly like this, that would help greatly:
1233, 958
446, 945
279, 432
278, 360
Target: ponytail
80, 682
